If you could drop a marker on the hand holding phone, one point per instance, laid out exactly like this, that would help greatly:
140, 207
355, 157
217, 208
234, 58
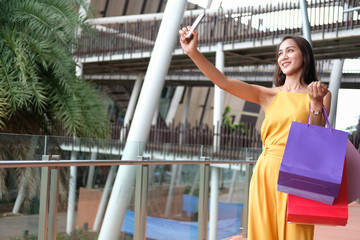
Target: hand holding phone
195, 24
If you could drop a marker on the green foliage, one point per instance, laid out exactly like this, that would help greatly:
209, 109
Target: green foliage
38, 83
195, 193
227, 121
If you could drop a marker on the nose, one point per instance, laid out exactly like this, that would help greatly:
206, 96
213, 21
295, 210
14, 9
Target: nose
284, 56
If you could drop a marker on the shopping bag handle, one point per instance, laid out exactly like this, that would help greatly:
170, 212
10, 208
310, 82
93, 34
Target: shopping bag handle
325, 115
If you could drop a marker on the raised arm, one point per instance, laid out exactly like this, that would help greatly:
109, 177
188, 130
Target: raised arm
249, 92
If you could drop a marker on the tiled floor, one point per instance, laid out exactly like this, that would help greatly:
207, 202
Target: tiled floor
349, 232
10, 226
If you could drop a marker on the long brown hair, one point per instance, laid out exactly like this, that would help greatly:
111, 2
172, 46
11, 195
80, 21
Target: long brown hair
308, 73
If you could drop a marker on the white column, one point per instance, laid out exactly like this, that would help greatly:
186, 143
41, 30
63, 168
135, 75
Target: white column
174, 104
90, 178
214, 203
132, 103
217, 119
218, 97
232, 185
72, 197
174, 170
104, 198
82, 11
334, 86
185, 115
156, 114
140, 126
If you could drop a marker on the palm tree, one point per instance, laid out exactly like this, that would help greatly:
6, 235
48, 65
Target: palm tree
39, 89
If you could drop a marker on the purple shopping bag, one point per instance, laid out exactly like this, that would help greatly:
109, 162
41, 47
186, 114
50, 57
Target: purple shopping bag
353, 172
313, 161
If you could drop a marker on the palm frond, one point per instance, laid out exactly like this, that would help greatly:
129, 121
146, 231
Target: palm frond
37, 69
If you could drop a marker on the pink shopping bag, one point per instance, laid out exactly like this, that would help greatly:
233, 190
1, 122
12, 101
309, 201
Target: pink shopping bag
353, 172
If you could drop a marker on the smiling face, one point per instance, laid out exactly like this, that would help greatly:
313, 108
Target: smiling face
290, 58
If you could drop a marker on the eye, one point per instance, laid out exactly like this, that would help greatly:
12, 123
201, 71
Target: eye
279, 54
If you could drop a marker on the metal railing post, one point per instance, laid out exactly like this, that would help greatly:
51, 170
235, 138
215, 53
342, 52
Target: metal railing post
141, 195
48, 200
245, 212
203, 212
53, 200
44, 200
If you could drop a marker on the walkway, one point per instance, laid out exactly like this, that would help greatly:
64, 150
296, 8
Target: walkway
350, 232
13, 226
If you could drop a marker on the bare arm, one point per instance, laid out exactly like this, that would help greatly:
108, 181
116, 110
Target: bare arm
249, 92
320, 96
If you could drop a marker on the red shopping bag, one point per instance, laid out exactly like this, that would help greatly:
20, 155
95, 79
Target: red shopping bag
302, 210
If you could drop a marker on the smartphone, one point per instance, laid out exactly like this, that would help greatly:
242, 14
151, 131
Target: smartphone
195, 24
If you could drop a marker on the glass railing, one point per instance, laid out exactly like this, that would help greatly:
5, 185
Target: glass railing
62, 187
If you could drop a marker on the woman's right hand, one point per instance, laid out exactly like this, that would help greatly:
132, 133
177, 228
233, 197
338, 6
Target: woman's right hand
188, 44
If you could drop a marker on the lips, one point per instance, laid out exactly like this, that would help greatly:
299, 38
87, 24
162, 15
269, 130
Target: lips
285, 64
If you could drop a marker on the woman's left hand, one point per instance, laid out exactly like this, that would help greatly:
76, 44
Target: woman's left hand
317, 91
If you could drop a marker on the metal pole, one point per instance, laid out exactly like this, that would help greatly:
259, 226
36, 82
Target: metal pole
203, 201
305, 21
44, 201
245, 212
53, 203
141, 195
334, 86
140, 127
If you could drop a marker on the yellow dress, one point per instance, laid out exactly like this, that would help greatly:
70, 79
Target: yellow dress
267, 206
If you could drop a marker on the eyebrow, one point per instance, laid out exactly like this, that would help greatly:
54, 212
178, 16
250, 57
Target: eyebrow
291, 46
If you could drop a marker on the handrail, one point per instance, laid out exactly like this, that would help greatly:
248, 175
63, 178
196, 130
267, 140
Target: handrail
68, 163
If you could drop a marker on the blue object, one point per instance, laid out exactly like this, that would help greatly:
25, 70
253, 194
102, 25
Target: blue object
229, 222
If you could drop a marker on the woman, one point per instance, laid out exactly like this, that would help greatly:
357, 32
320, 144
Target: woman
297, 88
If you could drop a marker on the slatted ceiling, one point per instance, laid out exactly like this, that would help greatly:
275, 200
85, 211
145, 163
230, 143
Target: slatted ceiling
143, 6
134, 7
151, 7
115, 8
111, 8
98, 7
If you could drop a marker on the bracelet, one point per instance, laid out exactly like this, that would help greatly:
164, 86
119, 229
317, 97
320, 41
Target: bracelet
316, 112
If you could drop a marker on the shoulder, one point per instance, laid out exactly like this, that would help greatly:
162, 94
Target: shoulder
267, 96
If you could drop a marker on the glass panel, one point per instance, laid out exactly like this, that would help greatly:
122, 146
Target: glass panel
173, 202
20, 219
232, 195
173, 194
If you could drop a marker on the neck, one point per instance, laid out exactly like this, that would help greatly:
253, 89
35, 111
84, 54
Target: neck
293, 85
